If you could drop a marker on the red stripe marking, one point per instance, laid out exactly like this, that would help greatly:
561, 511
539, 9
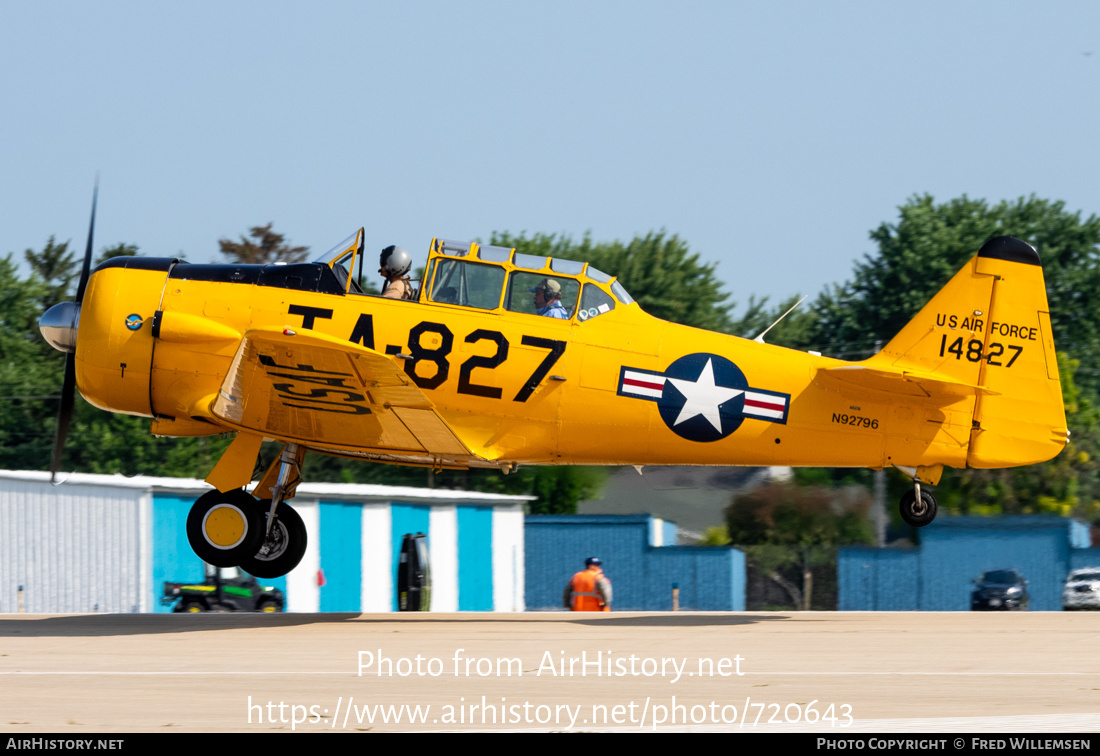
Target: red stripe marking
763, 405
643, 384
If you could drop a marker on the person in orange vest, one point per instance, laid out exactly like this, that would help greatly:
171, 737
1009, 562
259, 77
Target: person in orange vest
589, 590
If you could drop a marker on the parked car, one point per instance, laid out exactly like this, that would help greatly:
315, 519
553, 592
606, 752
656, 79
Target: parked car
224, 590
1082, 589
999, 589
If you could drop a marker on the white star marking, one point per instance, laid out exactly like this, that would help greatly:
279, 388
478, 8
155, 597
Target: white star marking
703, 397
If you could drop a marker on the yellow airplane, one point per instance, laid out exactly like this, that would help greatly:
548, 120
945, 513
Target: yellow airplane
469, 374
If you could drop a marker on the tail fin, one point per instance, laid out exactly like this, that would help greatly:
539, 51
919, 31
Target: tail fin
989, 327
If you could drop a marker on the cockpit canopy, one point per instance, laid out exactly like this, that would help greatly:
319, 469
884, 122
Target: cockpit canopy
467, 274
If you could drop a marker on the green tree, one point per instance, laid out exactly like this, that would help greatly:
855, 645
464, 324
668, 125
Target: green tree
783, 528
30, 372
929, 244
56, 268
559, 489
119, 250
783, 325
267, 247
785, 514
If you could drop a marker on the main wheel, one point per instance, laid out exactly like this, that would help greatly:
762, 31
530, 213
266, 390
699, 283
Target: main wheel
224, 528
918, 514
282, 548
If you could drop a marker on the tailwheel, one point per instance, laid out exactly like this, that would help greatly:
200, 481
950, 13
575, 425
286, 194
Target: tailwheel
224, 528
282, 548
918, 513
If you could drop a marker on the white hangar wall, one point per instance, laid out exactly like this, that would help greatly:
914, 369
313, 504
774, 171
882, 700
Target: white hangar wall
107, 543
73, 547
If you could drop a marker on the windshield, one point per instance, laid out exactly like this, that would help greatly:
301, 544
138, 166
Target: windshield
1000, 576
346, 247
1085, 576
341, 259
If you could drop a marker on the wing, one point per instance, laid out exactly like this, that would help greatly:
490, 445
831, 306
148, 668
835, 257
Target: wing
315, 389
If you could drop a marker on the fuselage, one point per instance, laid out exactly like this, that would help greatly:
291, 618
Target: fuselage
609, 385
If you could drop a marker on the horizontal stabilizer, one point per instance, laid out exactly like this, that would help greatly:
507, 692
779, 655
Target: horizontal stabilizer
902, 381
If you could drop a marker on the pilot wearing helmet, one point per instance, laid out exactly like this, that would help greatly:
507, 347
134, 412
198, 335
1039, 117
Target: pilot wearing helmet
548, 299
394, 263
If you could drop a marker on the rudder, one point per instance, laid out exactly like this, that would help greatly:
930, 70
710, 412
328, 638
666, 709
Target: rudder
1022, 420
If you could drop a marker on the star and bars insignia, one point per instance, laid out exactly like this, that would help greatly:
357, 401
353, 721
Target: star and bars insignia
703, 397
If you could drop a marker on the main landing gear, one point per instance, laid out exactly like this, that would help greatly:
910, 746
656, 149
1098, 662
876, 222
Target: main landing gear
230, 530
918, 508
265, 538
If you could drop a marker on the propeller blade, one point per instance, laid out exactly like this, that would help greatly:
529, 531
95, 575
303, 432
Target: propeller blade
85, 271
64, 414
68, 388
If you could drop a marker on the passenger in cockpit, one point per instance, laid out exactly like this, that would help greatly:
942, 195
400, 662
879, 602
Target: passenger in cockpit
548, 299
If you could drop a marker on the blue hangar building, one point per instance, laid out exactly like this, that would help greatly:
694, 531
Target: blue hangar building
938, 575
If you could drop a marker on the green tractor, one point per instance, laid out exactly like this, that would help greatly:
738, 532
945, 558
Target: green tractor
225, 589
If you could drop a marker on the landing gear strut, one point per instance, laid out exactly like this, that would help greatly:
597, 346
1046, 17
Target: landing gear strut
233, 529
283, 546
918, 508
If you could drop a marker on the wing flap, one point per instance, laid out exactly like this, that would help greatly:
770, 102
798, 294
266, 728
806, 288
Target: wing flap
313, 388
430, 430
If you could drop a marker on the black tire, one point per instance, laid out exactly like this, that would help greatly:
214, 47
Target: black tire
918, 515
267, 607
191, 607
280, 552
251, 528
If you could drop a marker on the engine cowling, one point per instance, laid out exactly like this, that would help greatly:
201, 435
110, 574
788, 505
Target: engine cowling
114, 344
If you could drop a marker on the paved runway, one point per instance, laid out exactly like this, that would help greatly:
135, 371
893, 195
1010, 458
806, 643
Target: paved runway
880, 672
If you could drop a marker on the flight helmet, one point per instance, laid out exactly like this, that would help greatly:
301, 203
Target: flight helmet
394, 261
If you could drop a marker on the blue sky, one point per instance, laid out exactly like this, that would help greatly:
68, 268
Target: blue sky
771, 136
